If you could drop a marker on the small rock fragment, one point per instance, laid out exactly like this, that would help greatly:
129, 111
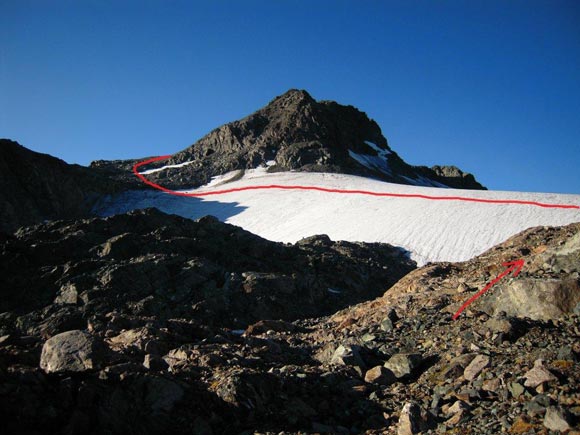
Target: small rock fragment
475, 367
457, 418
538, 375
516, 389
491, 385
380, 375
556, 419
458, 406
403, 364
409, 419
348, 356
521, 425
387, 325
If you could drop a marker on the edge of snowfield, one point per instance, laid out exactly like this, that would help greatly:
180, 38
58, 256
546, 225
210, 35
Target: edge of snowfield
430, 230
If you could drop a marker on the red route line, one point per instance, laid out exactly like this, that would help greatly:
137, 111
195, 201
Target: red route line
346, 191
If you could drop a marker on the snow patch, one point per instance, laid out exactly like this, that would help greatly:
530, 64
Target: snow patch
371, 162
429, 230
163, 168
380, 151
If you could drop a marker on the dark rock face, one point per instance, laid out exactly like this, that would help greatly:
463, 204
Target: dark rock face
296, 132
122, 325
152, 264
36, 187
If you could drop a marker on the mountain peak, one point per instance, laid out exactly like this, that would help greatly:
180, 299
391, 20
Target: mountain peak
291, 97
296, 132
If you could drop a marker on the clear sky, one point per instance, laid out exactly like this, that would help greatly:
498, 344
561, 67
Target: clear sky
490, 86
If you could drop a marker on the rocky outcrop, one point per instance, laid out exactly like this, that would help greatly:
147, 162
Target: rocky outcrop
149, 311
37, 187
508, 363
452, 176
151, 264
106, 318
295, 132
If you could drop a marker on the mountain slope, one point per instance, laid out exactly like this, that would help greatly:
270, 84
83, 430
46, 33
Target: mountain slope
430, 230
35, 187
296, 132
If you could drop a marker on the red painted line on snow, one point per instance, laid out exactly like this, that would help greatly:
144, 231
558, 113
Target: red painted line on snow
344, 191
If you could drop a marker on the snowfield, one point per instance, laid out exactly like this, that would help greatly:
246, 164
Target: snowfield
430, 230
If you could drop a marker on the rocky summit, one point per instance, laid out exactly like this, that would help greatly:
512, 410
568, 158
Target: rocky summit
295, 132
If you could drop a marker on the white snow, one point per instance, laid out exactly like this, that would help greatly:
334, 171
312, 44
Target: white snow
422, 181
379, 162
163, 168
371, 162
430, 230
381, 152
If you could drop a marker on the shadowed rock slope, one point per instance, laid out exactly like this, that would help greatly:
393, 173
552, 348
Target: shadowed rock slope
296, 132
90, 309
124, 325
36, 187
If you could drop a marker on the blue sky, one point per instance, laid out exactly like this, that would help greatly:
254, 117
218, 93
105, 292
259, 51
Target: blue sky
490, 86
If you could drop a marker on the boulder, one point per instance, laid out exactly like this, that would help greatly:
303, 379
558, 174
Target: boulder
537, 299
72, 351
380, 375
403, 364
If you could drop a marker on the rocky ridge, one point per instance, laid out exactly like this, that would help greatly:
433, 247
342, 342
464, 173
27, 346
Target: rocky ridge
133, 338
295, 132
38, 187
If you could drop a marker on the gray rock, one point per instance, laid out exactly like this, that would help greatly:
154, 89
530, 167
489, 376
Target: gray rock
347, 355
567, 354
537, 299
387, 325
403, 364
516, 389
475, 367
565, 258
409, 419
380, 375
72, 351
538, 375
556, 419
